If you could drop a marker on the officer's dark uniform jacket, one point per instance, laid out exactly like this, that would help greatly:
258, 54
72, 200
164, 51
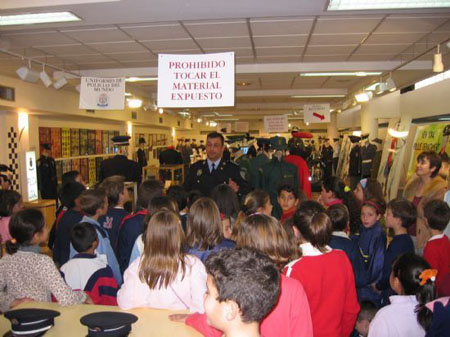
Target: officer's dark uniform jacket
142, 160
170, 157
275, 174
256, 165
367, 155
354, 168
199, 177
47, 182
122, 166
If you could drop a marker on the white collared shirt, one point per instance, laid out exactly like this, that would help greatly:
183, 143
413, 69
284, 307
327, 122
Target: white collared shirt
340, 234
216, 164
436, 237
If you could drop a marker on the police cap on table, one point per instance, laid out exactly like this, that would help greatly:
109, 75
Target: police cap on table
108, 323
31, 322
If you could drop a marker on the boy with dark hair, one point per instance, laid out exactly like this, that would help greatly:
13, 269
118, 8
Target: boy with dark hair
243, 286
133, 225
180, 196
71, 177
437, 249
288, 200
66, 219
117, 194
94, 204
366, 314
88, 271
400, 214
340, 218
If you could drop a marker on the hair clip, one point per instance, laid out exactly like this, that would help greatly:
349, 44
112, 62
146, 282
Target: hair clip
428, 274
13, 241
346, 189
373, 204
363, 183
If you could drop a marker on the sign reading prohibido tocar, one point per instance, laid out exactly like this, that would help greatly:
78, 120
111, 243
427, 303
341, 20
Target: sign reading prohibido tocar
102, 93
196, 80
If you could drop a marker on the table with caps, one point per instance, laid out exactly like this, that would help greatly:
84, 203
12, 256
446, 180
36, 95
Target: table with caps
151, 322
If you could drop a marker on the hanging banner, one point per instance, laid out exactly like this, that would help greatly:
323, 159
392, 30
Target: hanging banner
434, 137
196, 80
102, 93
316, 113
277, 123
241, 126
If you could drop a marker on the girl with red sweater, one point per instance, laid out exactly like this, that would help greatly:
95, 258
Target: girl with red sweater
326, 274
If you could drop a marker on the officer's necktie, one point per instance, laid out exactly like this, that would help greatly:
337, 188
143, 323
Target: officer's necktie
213, 167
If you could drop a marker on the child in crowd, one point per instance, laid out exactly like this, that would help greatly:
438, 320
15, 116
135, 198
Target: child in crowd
437, 249
339, 217
228, 202
133, 224
257, 201
69, 194
72, 177
334, 192
288, 200
326, 274
180, 196
372, 242
165, 277
11, 203
291, 316
400, 214
94, 204
117, 194
368, 188
88, 271
366, 314
204, 229
407, 315
231, 307
155, 205
25, 274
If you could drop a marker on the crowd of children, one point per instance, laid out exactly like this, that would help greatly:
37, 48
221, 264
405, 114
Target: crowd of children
343, 265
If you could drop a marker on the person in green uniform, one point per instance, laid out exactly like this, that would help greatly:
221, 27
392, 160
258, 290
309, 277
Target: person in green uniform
256, 164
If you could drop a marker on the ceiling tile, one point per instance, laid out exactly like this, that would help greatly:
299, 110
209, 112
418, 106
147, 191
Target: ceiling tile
288, 41
181, 51
137, 56
371, 57
70, 49
325, 58
33, 39
435, 37
336, 39
281, 51
410, 24
175, 44
117, 47
27, 52
339, 25
139, 64
97, 35
237, 51
103, 65
156, 32
265, 27
217, 28
402, 38
278, 59
91, 58
225, 42
308, 82
330, 50
245, 60
381, 48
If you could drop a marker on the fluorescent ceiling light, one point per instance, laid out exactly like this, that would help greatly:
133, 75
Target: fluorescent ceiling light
364, 96
397, 134
28, 19
318, 96
140, 79
432, 80
345, 5
349, 73
128, 94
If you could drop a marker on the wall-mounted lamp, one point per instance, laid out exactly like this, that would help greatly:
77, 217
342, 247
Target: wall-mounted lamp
160, 111
438, 66
60, 83
45, 78
27, 74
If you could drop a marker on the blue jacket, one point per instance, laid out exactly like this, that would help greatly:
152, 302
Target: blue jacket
372, 242
111, 223
104, 247
354, 254
61, 246
130, 228
203, 254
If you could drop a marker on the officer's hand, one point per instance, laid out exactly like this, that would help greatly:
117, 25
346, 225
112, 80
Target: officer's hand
233, 185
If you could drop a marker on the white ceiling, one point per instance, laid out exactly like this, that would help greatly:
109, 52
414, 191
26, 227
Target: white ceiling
273, 42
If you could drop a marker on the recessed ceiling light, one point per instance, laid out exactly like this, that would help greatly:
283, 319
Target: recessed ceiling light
318, 96
243, 84
346, 73
345, 5
140, 79
33, 18
128, 94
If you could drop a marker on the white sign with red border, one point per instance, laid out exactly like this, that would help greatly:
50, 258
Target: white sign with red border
196, 80
316, 113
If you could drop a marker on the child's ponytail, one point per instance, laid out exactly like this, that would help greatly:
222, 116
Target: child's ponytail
425, 294
12, 246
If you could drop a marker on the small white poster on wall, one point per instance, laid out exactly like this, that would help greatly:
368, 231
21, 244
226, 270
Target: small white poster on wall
102, 93
196, 80
316, 113
241, 126
277, 123
28, 170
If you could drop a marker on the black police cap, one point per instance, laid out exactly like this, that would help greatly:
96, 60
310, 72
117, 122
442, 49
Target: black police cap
354, 139
262, 141
108, 323
142, 140
31, 322
364, 136
46, 146
121, 140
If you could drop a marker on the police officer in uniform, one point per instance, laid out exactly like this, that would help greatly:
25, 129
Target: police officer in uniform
142, 159
46, 169
169, 156
120, 164
204, 175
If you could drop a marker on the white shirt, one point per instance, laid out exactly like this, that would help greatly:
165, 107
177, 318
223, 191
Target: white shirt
397, 319
216, 163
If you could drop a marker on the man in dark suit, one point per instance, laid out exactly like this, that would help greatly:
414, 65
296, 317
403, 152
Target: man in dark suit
142, 160
120, 165
204, 175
